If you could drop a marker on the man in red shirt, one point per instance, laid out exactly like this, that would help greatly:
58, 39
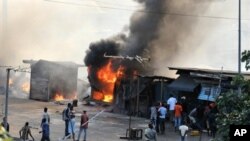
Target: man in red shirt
177, 115
83, 125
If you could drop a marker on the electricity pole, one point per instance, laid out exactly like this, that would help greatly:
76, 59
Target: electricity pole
239, 51
4, 43
6, 98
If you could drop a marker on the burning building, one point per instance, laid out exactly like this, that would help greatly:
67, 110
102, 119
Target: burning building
151, 33
53, 80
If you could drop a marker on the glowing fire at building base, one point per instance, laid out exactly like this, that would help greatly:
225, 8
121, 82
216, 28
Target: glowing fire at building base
107, 78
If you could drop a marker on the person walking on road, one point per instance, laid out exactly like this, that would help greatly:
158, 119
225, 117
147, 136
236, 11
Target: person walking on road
162, 117
83, 125
45, 130
66, 118
171, 104
153, 115
45, 116
72, 121
177, 115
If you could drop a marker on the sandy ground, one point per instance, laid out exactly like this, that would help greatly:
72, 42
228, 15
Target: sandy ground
105, 127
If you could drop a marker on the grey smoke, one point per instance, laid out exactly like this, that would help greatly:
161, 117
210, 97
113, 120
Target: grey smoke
155, 32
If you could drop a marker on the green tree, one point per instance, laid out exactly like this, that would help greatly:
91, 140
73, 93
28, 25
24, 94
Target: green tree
246, 58
234, 108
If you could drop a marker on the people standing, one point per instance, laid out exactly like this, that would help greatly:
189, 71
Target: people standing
153, 115
150, 133
25, 132
212, 121
45, 130
72, 121
66, 118
162, 117
171, 104
177, 115
83, 125
184, 106
45, 116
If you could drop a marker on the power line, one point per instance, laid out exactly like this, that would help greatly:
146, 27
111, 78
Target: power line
108, 3
146, 11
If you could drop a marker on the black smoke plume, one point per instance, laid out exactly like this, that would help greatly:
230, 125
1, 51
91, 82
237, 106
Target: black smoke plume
155, 32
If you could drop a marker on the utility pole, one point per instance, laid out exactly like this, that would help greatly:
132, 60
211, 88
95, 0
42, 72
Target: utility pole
6, 98
239, 51
4, 37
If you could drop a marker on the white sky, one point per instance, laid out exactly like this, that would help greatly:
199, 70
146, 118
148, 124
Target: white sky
61, 30
51, 30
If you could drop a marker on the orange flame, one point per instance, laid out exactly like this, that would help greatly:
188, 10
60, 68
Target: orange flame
107, 77
10, 82
26, 87
58, 97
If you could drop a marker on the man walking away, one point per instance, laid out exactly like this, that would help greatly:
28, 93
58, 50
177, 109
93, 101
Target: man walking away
177, 115
153, 115
45, 116
45, 131
83, 126
171, 104
72, 121
162, 117
66, 118
150, 133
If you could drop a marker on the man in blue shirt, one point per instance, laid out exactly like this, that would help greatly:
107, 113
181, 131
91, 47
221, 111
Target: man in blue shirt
45, 130
162, 117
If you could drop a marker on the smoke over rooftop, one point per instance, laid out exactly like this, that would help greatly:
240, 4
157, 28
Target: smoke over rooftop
155, 32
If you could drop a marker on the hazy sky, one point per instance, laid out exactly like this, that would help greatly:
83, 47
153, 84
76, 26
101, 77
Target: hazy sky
61, 30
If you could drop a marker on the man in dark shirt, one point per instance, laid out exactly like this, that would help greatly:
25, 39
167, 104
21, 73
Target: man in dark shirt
67, 118
84, 125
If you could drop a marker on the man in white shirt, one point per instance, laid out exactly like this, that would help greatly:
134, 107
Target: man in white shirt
46, 116
171, 104
153, 115
183, 131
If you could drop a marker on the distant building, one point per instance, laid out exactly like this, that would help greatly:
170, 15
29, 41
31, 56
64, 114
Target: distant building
50, 79
202, 85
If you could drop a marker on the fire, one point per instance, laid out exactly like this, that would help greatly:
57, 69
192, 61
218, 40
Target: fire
58, 97
10, 82
107, 77
73, 95
26, 87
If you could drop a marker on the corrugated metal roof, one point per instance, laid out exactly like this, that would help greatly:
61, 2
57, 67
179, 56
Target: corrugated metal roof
213, 71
